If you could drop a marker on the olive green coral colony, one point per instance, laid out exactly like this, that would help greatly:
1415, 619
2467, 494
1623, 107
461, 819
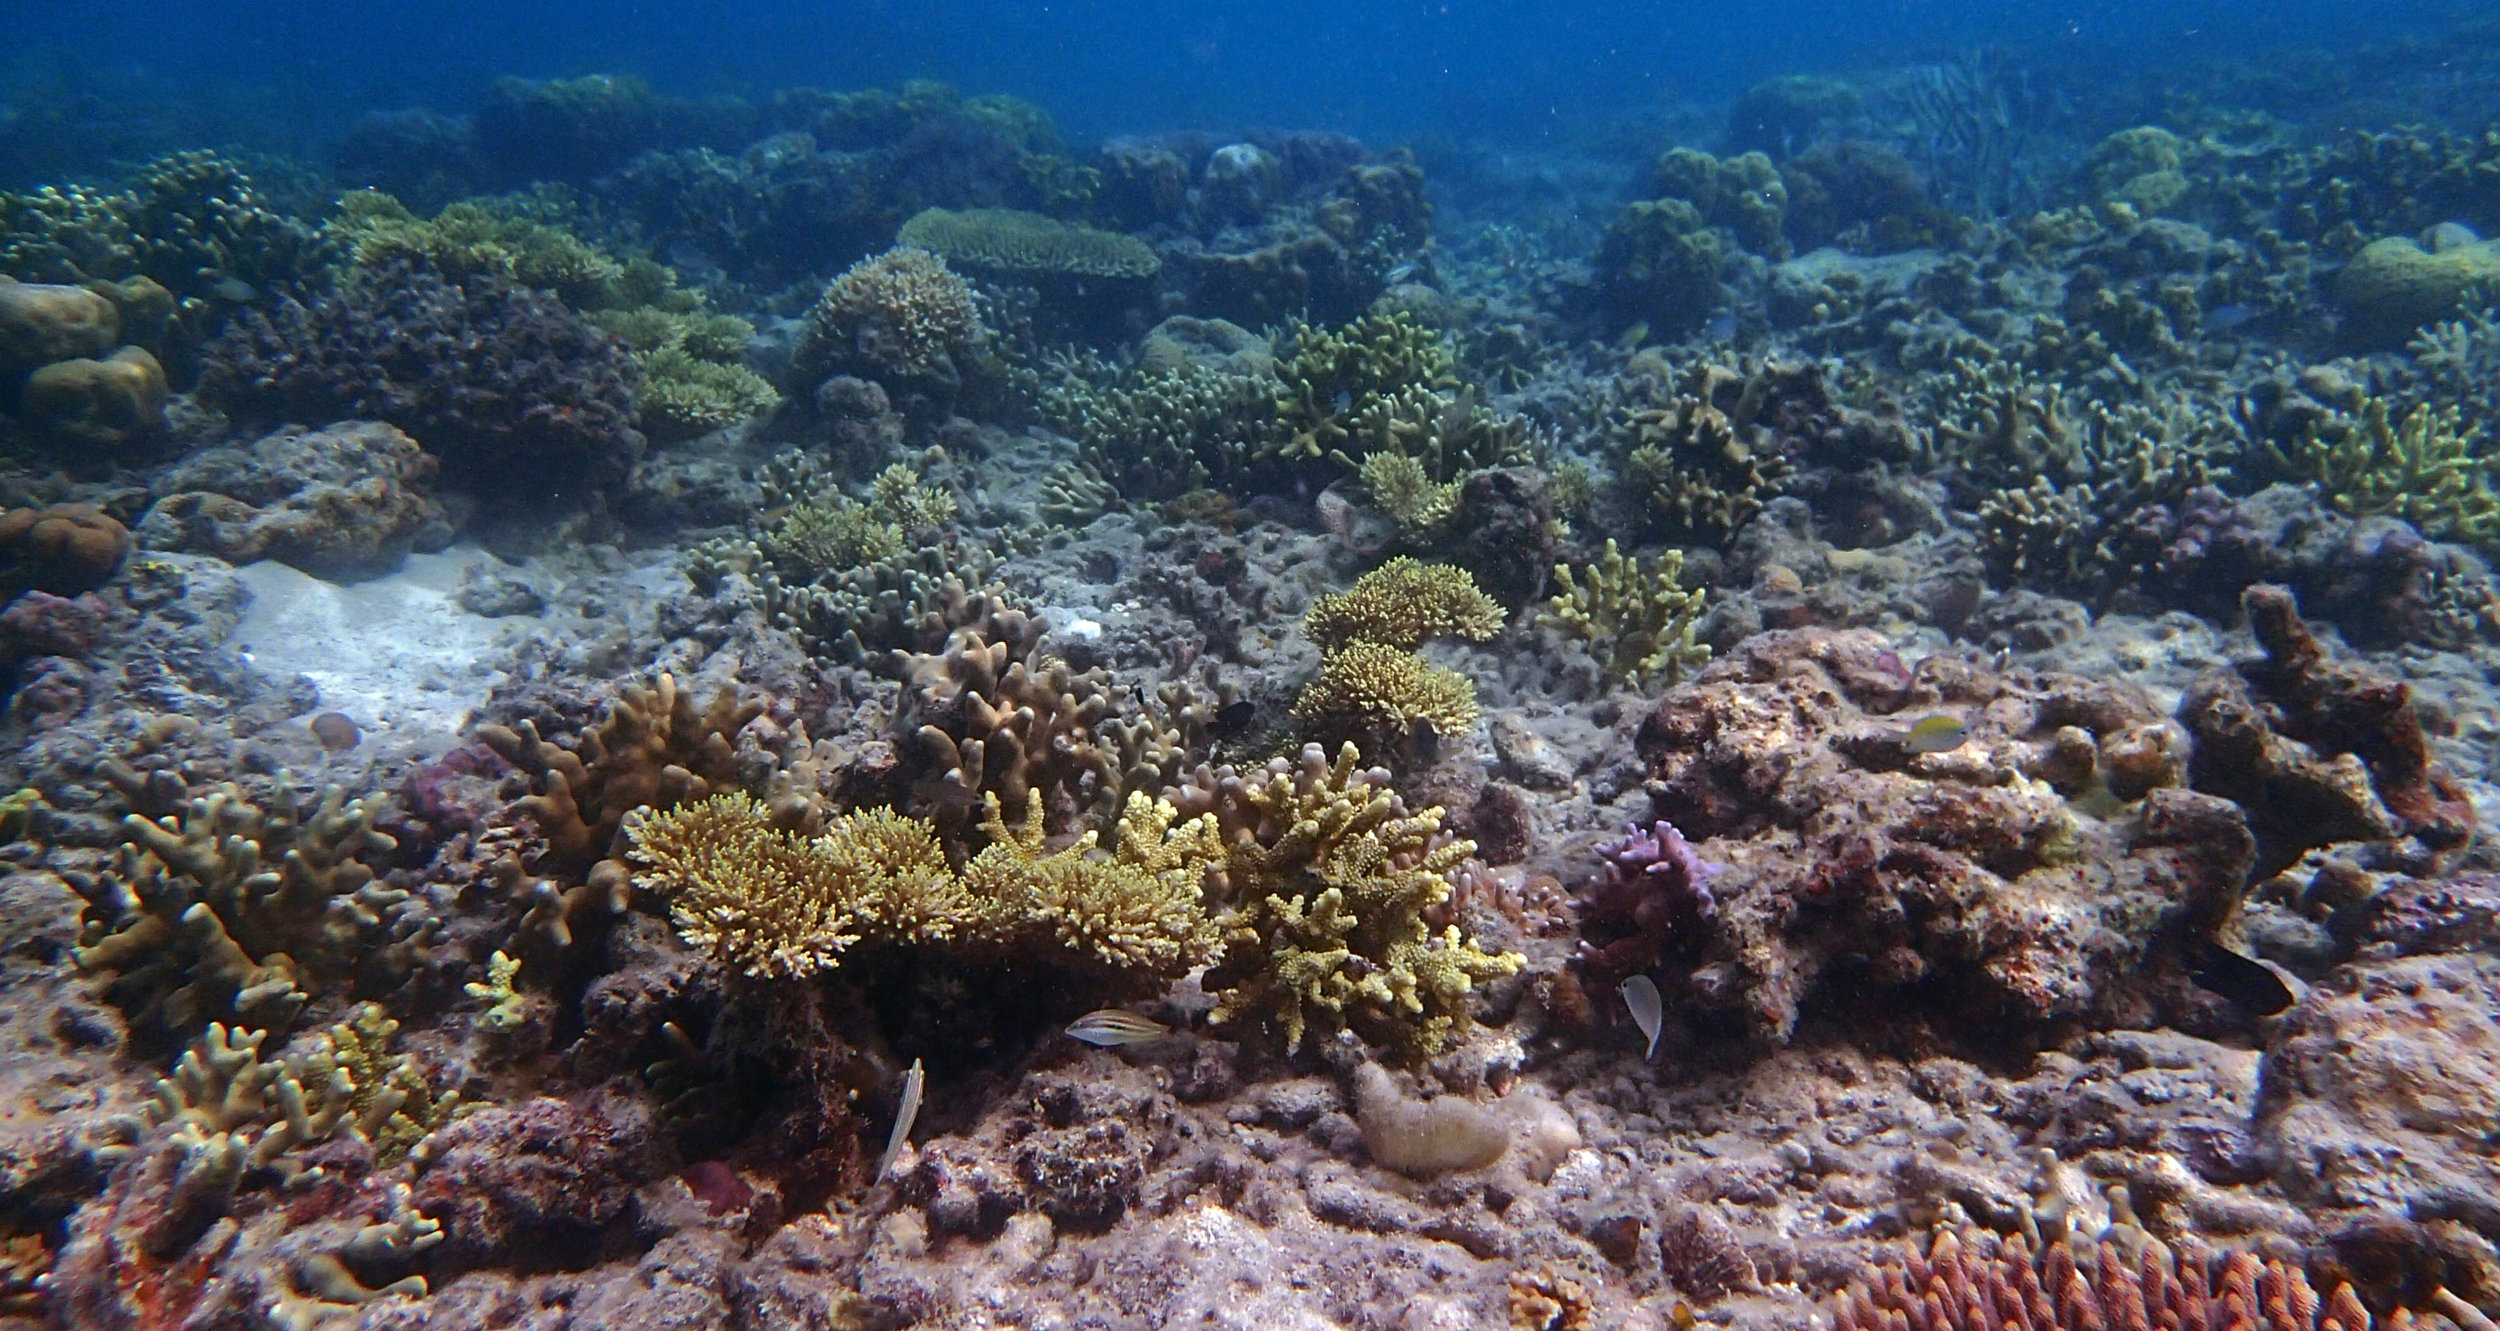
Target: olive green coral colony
838, 711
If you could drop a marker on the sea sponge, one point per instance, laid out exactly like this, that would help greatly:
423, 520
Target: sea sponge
1024, 242
1375, 694
1637, 622
64, 549
2394, 287
99, 403
900, 315
1403, 604
41, 323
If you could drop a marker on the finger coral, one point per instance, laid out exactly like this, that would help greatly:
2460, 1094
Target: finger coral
1638, 623
2420, 468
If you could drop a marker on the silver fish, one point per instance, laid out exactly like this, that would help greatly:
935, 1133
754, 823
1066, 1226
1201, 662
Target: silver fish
909, 1110
1640, 993
1111, 1025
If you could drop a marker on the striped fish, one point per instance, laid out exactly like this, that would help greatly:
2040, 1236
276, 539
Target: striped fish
1111, 1025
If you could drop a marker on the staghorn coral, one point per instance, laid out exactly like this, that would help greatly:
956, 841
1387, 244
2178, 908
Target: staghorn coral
1386, 383
1133, 914
1637, 623
2421, 469
1403, 604
692, 381
1973, 1279
985, 715
1021, 242
1329, 879
1374, 694
233, 912
898, 316
473, 238
1158, 432
1402, 488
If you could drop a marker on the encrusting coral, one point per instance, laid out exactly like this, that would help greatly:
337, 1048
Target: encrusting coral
1637, 622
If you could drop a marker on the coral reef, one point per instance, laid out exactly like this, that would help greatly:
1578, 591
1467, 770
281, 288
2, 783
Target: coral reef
1638, 623
1021, 242
507, 386
1403, 604
900, 318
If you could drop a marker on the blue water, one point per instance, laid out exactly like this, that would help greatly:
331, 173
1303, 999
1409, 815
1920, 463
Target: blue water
256, 71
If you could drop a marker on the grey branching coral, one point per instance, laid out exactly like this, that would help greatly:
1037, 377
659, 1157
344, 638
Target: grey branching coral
1637, 622
1331, 879
900, 315
230, 911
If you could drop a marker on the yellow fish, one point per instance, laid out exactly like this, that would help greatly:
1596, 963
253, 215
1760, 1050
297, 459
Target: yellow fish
1935, 734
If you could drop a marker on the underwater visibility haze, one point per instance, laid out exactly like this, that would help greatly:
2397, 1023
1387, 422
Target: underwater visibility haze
1119, 666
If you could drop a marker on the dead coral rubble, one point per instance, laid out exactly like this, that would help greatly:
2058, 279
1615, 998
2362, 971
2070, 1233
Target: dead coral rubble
2045, 871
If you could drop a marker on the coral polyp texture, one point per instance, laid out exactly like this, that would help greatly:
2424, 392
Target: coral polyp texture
1869, 701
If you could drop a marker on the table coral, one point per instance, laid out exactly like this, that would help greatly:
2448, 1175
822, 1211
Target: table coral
1974, 879
1022, 242
1376, 696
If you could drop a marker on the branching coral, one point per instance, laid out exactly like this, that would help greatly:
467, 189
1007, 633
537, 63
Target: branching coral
1023, 242
1330, 878
1160, 432
477, 238
1974, 1280
1370, 692
1403, 604
899, 315
2421, 469
835, 534
224, 1099
1638, 623
692, 380
1704, 449
776, 905
1387, 383
230, 911
187, 221
1402, 488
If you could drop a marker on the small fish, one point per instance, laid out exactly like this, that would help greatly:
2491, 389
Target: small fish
1234, 718
1935, 734
234, 289
1109, 1026
1723, 328
2244, 980
905, 1114
1633, 336
1399, 274
2224, 318
1423, 739
1640, 993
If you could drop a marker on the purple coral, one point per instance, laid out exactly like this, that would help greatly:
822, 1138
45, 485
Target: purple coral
1651, 901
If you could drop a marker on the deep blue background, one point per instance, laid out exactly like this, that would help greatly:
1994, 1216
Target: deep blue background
1476, 67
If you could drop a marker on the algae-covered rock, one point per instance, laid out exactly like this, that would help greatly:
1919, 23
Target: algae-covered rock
2393, 287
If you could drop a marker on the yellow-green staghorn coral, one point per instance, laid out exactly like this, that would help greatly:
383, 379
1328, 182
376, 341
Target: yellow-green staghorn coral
1134, 912
1330, 879
899, 315
1402, 488
2422, 469
1403, 604
833, 534
1638, 623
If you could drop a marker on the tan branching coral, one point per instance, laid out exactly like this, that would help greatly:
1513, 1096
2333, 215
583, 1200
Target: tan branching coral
230, 911
1402, 488
834, 534
1027, 243
1404, 604
1330, 878
655, 748
2421, 469
1701, 446
1637, 622
898, 315
779, 906
224, 1101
